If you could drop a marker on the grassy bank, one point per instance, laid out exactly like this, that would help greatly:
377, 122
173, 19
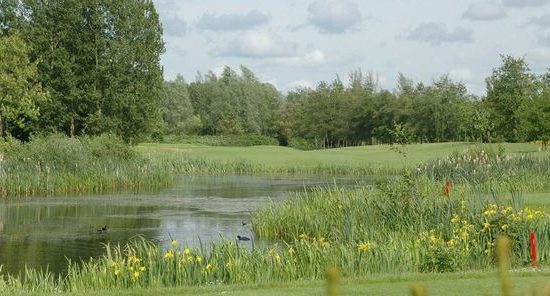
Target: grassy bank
60, 165
187, 158
453, 284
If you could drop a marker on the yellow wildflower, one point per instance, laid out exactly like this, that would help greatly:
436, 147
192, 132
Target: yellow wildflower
142, 269
118, 272
364, 246
174, 243
209, 267
489, 213
291, 250
451, 242
133, 259
303, 236
136, 275
186, 251
198, 259
504, 227
169, 255
455, 218
486, 225
506, 210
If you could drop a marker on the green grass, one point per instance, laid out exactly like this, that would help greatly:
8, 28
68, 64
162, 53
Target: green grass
341, 160
539, 201
474, 283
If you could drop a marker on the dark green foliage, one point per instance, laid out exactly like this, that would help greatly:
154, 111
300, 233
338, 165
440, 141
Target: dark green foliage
99, 62
20, 93
177, 110
234, 104
222, 140
108, 146
98, 59
509, 87
334, 115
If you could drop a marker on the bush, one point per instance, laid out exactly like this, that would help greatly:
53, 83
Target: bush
302, 144
109, 146
222, 140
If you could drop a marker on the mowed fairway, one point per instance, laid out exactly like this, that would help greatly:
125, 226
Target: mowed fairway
275, 157
455, 284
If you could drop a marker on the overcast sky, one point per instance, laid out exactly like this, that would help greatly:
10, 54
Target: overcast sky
299, 43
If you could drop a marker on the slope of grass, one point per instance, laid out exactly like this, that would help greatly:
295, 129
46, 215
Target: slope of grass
284, 159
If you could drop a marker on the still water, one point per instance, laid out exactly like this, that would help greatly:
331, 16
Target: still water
44, 232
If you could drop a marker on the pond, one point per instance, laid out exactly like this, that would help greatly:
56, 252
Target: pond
44, 232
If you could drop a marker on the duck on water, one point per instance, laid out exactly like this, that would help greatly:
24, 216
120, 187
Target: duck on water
102, 229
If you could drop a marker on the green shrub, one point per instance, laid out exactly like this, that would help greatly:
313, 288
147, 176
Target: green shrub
108, 146
223, 140
302, 144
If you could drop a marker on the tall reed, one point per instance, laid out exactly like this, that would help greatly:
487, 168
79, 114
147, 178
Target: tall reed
60, 165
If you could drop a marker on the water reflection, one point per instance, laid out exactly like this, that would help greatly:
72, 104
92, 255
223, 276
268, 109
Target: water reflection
40, 232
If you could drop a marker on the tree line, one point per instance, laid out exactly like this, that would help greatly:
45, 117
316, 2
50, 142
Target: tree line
85, 67
89, 67
516, 108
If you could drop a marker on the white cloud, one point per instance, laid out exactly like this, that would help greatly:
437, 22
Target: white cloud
268, 45
525, 3
272, 82
300, 84
174, 26
232, 22
461, 74
485, 10
334, 16
258, 44
437, 33
542, 21
544, 38
315, 57
539, 54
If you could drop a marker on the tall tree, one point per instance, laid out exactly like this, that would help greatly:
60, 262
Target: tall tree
535, 114
176, 108
20, 92
100, 60
509, 86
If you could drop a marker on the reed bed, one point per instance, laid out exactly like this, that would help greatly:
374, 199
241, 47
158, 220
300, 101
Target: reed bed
426, 231
181, 163
487, 170
57, 164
